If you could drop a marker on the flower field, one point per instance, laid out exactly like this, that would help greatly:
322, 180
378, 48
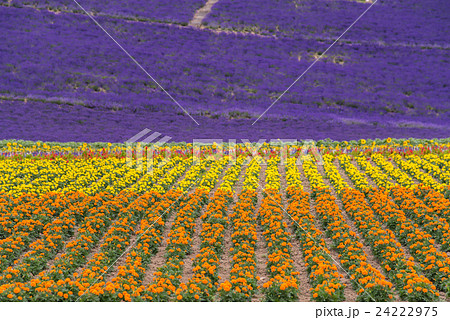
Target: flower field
225, 151
352, 221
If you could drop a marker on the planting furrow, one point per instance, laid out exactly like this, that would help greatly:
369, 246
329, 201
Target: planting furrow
261, 252
283, 281
158, 260
209, 183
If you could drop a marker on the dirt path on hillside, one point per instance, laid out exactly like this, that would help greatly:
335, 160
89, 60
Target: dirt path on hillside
201, 14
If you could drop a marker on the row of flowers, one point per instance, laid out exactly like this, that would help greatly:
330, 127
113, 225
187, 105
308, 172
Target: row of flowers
323, 273
231, 177
381, 179
202, 285
435, 165
414, 170
398, 175
283, 282
370, 283
314, 177
25, 150
292, 174
333, 175
243, 279
209, 180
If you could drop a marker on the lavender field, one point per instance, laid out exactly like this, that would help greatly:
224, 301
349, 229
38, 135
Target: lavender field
64, 79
